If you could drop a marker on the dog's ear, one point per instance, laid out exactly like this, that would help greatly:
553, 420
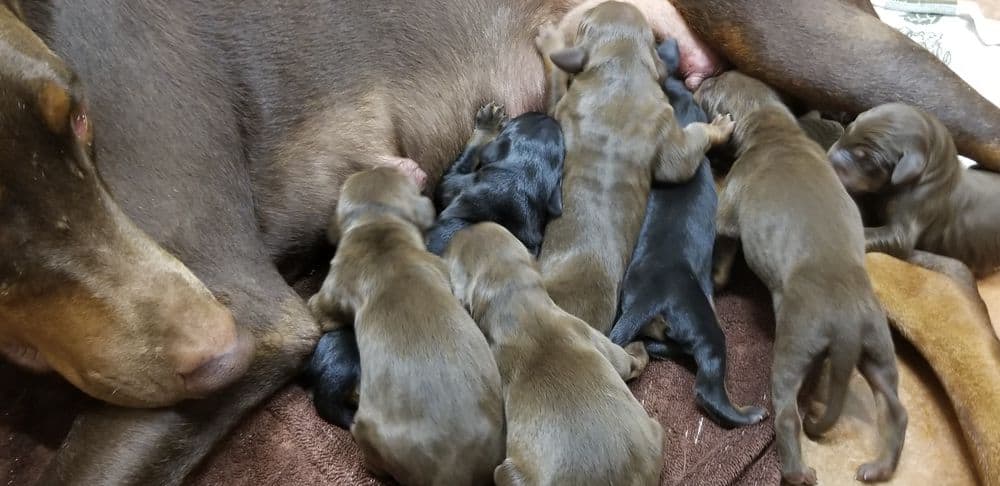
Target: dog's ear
570, 59
909, 167
661, 71
424, 213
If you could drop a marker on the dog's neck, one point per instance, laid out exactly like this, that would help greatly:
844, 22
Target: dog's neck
503, 299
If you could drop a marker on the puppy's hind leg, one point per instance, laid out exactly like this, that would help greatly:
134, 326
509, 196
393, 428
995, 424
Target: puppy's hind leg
629, 361
787, 374
698, 331
878, 366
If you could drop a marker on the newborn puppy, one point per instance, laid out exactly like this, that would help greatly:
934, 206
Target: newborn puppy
670, 276
430, 410
802, 235
570, 417
333, 373
516, 184
927, 201
620, 133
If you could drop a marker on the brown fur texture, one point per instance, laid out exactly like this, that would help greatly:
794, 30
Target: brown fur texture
947, 322
766, 39
925, 199
802, 235
570, 417
620, 133
430, 409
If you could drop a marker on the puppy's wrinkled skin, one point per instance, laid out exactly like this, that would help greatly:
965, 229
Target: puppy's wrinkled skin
570, 417
509, 175
669, 277
620, 133
430, 410
946, 320
802, 235
926, 200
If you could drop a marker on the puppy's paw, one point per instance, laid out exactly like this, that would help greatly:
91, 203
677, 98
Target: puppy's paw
720, 277
723, 126
491, 117
806, 476
874, 472
640, 358
548, 39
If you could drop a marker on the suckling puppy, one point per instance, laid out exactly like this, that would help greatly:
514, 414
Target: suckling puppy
430, 410
802, 235
670, 275
516, 183
570, 417
620, 133
926, 200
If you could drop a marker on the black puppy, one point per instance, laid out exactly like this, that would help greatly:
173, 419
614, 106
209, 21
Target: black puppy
334, 373
669, 278
517, 183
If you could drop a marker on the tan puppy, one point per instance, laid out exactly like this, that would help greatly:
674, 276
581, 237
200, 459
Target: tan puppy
570, 417
620, 132
908, 158
430, 410
802, 235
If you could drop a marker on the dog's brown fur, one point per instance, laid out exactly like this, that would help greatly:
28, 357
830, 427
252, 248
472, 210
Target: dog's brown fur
570, 417
820, 130
947, 322
926, 200
620, 133
430, 409
802, 235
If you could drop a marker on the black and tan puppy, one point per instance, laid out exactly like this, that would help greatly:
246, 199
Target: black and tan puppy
570, 417
670, 275
924, 198
802, 235
509, 173
430, 409
620, 133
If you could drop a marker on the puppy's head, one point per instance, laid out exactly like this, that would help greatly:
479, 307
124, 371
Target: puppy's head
889, 147
734, 93
483, 259
385, 190
608, 31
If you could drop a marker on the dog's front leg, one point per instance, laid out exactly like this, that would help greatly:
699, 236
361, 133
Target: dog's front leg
897, 240
684, 149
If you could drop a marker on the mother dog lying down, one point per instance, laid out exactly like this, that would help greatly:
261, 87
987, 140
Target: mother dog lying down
225, 129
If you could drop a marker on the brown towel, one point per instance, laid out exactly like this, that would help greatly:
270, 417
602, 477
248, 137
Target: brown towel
284, 442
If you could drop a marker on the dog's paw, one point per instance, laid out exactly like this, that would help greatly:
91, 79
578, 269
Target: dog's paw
723, 128
548, 39
874, 472
491, 117
806, 476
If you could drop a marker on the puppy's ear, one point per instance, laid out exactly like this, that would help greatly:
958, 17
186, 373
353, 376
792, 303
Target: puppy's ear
570, 59
555, 206
661, 71
424, 213
909, 167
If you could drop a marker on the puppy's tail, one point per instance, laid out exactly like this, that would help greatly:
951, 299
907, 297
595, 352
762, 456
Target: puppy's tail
843, 359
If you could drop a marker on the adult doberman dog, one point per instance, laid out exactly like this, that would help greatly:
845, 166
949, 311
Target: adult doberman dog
224, 131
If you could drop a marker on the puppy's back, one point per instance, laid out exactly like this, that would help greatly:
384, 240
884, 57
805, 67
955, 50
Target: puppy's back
431, 409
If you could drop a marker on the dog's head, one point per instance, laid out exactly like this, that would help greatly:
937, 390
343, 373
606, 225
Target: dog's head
889, 147
611, 30
385, 190
485, 259
83, 291
735, 93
